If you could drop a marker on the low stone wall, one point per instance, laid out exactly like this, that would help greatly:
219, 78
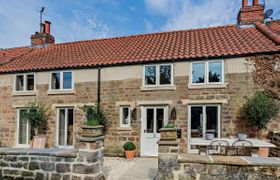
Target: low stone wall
54, 164
275, 139
190, 166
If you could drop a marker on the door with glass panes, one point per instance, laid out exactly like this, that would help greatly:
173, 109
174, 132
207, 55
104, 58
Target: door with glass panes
153, 119
203, 119
65, 122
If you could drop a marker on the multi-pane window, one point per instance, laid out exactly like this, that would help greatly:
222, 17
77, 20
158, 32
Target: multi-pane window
23, 130
208, 72
158, 75
125, 116
61, 81
24, 82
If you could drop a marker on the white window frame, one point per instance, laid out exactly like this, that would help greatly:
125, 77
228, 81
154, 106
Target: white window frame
24, 82
157, 76
203, 122
17, 131
61, 81
129, 116
57, 125
206, 71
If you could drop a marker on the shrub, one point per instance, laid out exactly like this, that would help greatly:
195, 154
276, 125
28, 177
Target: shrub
260, 108
129, 146
93, 118
169, 126
35, 115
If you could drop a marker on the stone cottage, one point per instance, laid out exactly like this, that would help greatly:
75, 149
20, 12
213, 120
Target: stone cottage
197, 79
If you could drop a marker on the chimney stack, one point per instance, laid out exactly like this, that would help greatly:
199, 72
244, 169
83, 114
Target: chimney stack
43, 37
48, 27
249, 14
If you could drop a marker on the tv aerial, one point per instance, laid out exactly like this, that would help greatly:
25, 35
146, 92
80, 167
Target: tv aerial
267, 14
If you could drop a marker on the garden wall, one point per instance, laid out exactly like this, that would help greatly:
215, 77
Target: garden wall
190, 166
54, 164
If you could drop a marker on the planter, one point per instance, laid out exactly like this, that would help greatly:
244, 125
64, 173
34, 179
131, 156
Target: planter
242, 136
209, 136
129, 155
92, 131
168, 133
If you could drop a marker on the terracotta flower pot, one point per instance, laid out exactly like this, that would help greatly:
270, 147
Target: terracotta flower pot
129, 155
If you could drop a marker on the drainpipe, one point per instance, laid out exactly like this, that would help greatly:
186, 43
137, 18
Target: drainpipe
98, 89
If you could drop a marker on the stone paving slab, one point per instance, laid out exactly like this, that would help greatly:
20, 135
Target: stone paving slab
262, 161
42, 152
232, 160
186, 158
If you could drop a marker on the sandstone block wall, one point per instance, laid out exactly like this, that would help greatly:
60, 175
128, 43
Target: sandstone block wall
129, 89
59, 165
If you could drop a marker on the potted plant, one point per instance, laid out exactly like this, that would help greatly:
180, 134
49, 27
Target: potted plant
36, 117
168, 132
94, 122
129, 148
260, 109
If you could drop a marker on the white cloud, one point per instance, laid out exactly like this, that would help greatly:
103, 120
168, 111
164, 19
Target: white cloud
148, 26
163, 7
185, 14
20, 19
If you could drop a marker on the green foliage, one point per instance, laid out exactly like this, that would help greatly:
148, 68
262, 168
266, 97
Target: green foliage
92, 122
93, 118
129, 146
260, 108
169, 126
35, 115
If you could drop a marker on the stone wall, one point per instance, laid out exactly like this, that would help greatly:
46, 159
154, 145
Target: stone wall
275, 139
197, 167
55, 164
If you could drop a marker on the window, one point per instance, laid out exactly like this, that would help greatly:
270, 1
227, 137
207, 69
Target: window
125, 116
24, 82
208, 72
61, 81
204, 119
158, 75
23, 130
65, 122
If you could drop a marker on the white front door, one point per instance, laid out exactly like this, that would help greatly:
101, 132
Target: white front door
153, 119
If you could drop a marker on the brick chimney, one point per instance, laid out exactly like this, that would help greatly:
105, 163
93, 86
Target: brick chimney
43, 37
249, 14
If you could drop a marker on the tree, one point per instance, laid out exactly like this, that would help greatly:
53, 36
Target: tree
35, 115
260, 109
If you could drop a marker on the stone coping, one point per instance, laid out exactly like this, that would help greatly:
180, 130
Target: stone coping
229, 160
91, 139
57, 152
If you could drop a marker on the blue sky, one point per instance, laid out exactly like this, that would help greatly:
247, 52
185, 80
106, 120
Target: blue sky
74, 20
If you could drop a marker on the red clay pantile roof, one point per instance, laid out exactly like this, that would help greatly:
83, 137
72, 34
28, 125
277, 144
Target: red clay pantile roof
157, 47
9, 54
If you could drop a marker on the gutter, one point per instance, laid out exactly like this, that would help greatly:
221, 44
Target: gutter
268, 32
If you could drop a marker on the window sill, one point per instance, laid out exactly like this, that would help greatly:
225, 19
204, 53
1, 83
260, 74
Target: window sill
25, 93
59, 92
208, 86
124, 128
158, 88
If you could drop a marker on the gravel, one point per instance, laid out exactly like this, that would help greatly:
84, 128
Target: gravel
114, 167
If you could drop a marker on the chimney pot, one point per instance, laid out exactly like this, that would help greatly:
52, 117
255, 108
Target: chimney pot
48, 27
255, 2
244, 3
